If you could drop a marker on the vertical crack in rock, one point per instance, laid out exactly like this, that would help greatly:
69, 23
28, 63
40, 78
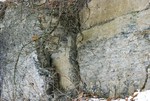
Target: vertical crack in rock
64, 57
146, 78
66, 60
44, 56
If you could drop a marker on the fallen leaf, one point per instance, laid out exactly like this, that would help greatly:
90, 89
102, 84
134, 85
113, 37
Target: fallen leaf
35, 37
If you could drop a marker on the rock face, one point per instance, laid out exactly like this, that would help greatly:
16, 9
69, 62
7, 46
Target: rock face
101, 11
114, 55
20, 68
41, 54
38, 53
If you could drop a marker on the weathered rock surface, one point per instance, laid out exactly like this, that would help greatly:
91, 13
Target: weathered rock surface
114, 56
40, 52
22, 78
101, 11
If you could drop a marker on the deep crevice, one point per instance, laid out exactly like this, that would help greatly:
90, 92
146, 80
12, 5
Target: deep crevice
70, 22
